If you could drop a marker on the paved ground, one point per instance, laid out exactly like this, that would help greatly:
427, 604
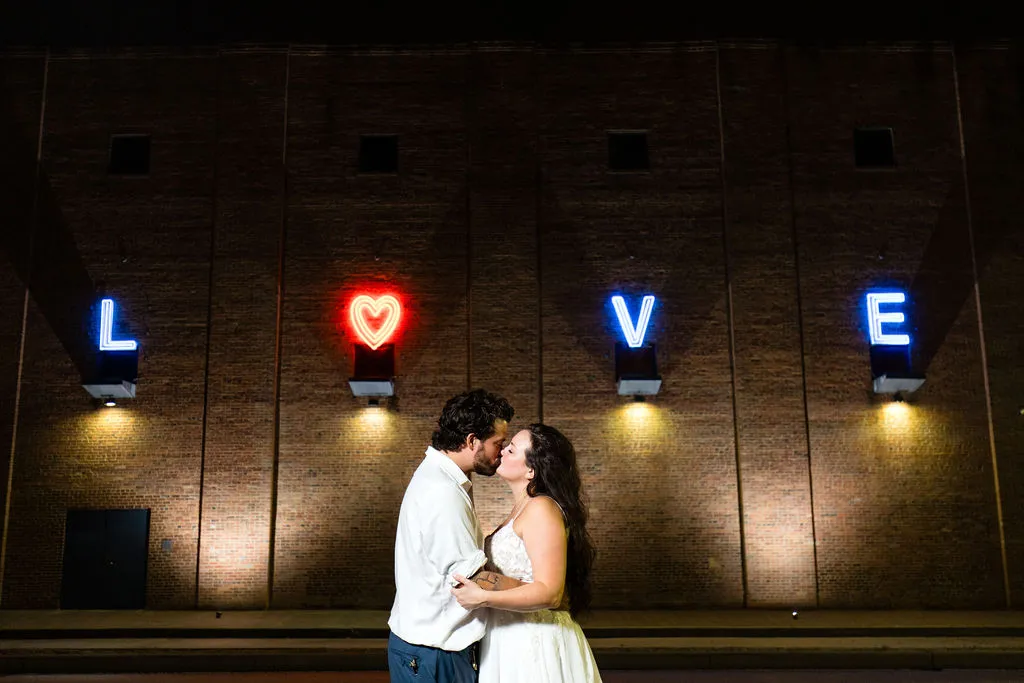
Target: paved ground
805, 676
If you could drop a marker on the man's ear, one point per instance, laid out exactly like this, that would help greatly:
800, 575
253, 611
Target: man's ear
468, 443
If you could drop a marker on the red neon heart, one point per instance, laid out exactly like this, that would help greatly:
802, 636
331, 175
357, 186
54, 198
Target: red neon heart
364, 310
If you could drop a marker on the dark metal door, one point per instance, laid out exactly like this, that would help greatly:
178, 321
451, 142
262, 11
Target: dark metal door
105, 555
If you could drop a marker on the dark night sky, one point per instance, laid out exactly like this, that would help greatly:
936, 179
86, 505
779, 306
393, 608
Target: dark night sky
90, 23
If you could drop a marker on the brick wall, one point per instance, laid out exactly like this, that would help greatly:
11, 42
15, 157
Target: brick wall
764, 474
991, 101
903, 501
770, 421
21, 84
239, 454
144, 241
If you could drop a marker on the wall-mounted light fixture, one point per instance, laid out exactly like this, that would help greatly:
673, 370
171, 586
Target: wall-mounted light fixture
116, 368
890, 345
636, 364
374, 321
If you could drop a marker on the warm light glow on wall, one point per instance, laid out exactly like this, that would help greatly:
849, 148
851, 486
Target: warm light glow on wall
636, 413
897, 415
374, 417
372, 427
107, 342
109, 420
638, 426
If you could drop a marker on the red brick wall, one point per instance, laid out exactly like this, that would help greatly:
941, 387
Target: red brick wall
343, 466
903, 502
770, 419
504, 205
992, 104
147, 239
21, 85
668, 465
504, 233
239, 455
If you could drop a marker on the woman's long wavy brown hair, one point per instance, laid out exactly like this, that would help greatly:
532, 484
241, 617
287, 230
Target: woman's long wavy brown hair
555, 474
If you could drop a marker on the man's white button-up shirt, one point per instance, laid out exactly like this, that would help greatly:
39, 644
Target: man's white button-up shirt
438, 536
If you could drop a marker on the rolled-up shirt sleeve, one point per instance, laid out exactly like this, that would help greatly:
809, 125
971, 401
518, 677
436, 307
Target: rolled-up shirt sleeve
453, 541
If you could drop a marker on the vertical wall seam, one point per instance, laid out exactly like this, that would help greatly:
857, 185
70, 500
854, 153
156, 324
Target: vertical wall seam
800, 318
24, 322
467, 115
276, 455
981, 333
538, 235
731, 327
209, 327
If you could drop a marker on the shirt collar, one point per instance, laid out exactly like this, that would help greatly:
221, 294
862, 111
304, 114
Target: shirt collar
447, 466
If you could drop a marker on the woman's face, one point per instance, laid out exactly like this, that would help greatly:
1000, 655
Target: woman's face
513, 466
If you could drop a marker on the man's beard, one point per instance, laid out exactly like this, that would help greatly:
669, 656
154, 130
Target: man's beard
482, 466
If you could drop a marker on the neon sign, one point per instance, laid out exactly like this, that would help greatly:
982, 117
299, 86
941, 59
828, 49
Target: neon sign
107, 342
374, 320
634, 334
877, 318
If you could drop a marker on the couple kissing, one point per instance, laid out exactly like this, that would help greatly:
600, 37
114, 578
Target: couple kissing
499, 609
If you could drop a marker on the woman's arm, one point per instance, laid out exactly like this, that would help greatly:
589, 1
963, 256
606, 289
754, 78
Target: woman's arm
493, 581
545, 540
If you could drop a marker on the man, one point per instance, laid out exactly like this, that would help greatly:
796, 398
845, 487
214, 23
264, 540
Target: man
432, 637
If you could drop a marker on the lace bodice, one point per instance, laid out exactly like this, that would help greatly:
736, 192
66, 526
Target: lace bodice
506, 554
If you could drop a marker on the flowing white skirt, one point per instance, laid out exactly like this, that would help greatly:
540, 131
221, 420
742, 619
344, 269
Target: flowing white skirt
535, 647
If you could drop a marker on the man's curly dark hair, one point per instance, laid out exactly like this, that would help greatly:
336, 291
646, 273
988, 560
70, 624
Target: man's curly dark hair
472, 412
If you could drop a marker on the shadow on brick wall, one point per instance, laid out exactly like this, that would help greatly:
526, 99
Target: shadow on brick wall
49, 264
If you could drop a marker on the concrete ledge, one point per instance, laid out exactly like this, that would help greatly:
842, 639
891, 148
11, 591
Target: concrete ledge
371, 656
55, 642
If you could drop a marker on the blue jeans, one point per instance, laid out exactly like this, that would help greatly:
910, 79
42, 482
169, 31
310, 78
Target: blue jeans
410, 663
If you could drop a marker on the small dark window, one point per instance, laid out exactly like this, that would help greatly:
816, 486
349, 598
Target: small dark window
129, 155
627, 151
378, 154
873, 148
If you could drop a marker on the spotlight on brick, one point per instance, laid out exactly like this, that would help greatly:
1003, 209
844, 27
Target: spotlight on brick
374, 375
636, 370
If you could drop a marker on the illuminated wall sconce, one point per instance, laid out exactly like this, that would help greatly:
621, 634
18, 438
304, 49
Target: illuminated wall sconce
890, 345
115, 373
636, 371
374, 375
374, 321
636, 365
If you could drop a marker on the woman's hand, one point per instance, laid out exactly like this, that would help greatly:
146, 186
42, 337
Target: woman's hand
469, 595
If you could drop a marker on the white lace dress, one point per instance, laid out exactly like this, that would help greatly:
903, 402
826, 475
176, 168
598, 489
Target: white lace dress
546, 646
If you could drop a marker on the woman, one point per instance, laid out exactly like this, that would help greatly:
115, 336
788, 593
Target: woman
532, 635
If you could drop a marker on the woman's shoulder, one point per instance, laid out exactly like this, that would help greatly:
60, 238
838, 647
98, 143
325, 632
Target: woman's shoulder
544, 508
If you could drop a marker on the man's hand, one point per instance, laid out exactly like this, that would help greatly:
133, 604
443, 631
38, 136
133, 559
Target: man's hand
469, 594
